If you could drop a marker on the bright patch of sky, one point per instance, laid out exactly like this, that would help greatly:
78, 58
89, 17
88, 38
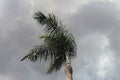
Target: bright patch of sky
4, 78
2, 7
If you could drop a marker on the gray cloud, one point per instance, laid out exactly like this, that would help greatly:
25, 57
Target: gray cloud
101, 17
95, 26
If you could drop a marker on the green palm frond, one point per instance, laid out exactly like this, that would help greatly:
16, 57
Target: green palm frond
40, 52
56, 64
49, 21
62, 42
58, 43
41, 18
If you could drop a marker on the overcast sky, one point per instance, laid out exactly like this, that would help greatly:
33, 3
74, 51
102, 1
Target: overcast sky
95, 25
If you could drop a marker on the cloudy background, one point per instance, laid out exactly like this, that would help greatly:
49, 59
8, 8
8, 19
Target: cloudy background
94, 23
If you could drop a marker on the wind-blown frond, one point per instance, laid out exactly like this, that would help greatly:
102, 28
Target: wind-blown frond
56, 64
49, 21
58, 43
39, 52
41, 18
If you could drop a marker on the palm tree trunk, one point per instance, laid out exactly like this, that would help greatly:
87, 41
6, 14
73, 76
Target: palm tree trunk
68, 72
68, 68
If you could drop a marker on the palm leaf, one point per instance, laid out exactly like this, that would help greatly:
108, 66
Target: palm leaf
40, 52
56, 64
58, 43
49, 21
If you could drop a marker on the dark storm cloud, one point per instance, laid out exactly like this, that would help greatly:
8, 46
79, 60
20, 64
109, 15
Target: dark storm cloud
92, 26
15, 37
101, 17
16, 8
95, 26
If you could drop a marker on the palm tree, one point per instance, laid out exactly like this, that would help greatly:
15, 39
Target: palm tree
59, 45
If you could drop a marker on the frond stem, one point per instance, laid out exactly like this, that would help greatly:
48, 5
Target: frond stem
68, 59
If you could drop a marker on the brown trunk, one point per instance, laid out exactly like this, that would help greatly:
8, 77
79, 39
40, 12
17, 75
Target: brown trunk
68, 72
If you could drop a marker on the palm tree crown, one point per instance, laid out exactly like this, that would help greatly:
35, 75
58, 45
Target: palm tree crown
59, 45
